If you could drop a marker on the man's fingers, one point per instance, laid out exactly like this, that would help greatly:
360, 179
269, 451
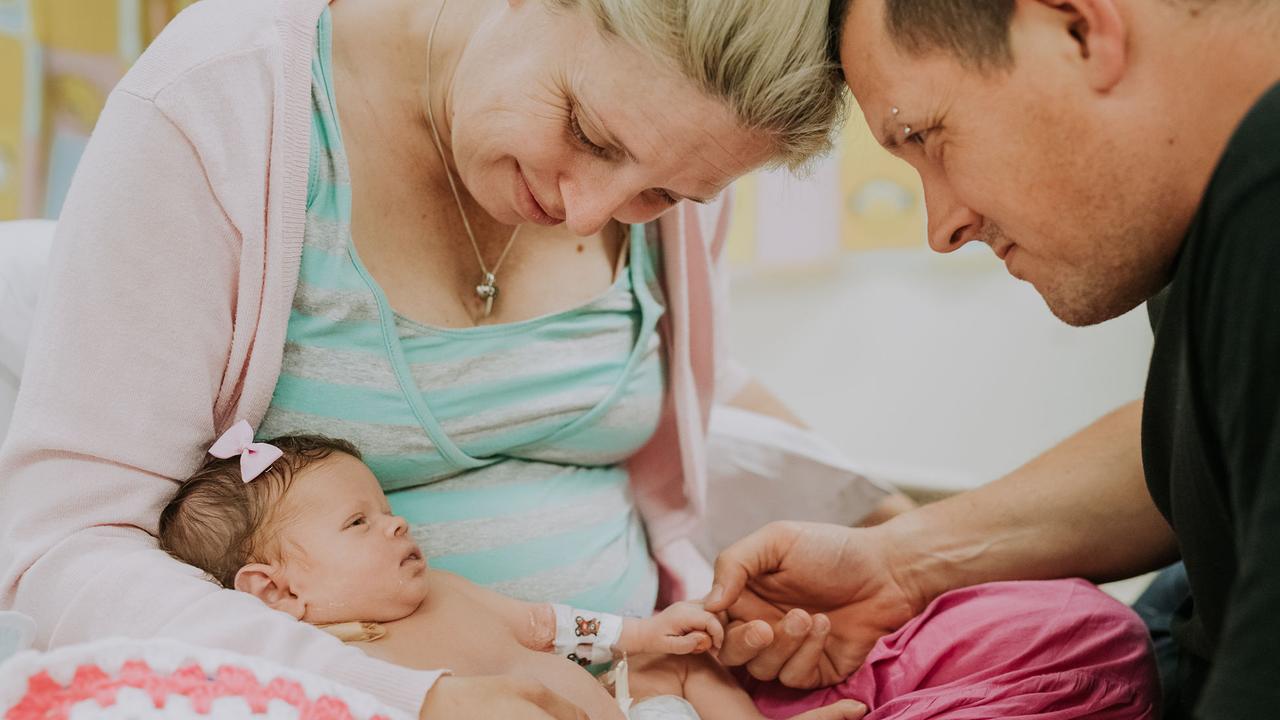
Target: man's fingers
744, 641
788, 636
802, 669
842, 710
756, 554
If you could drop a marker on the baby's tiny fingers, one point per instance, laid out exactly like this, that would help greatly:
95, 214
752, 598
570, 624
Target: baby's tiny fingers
689, 644
716, 630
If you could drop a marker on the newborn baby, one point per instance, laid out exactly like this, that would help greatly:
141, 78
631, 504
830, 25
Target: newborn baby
302, 524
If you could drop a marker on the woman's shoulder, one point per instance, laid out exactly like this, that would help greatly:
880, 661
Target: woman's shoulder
225, 49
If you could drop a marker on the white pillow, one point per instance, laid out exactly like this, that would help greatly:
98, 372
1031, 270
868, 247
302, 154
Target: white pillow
24, 260
761, 469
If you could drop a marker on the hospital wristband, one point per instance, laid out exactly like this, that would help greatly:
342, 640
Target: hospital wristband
585, 636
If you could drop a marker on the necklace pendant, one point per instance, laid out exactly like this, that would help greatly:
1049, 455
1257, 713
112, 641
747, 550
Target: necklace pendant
487, 291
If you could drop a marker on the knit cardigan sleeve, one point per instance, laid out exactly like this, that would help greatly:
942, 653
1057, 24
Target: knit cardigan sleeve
126, 364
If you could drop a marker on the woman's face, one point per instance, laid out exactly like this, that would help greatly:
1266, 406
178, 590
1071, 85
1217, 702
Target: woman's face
552, 121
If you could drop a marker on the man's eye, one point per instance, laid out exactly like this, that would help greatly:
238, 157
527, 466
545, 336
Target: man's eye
575, 129
919, 137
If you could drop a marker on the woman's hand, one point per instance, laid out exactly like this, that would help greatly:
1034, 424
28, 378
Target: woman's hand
786, 570
685, 628
498, 696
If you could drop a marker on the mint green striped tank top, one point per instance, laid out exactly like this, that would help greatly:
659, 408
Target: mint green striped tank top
502, 445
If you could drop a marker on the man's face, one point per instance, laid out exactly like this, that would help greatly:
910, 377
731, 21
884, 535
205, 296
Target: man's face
1059, 179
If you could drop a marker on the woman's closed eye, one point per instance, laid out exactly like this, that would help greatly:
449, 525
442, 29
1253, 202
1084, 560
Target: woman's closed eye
575, 130
664, 196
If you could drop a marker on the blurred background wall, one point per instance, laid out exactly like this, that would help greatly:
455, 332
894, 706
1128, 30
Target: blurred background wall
934, 372
58, 61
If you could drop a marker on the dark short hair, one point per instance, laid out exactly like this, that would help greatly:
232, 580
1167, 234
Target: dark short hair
974, 31
219, 523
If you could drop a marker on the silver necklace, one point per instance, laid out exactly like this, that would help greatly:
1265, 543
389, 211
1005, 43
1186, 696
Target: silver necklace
487, 290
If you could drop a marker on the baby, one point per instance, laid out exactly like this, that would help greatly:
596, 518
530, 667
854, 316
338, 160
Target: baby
302, 524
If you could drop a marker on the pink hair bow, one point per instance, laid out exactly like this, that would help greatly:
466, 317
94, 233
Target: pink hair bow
255, 458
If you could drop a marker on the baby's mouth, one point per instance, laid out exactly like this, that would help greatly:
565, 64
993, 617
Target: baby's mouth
412, 556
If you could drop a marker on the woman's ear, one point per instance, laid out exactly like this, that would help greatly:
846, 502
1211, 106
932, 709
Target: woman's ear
1102, 36
268, 584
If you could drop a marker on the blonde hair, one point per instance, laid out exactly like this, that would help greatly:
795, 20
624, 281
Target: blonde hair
770, 60
219, 523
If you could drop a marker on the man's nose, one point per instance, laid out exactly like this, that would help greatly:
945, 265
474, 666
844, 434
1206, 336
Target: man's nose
952, 223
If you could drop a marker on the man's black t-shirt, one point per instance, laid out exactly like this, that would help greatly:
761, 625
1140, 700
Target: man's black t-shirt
1211, 430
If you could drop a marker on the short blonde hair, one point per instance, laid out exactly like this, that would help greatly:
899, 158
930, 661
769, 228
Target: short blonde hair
770, 60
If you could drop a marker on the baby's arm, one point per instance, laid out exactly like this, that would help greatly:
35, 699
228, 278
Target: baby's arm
681, 629
586, 635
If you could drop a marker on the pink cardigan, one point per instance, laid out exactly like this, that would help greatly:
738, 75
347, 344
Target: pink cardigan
164, 321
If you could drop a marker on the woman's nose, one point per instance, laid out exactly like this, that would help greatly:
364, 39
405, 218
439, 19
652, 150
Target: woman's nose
589, 204
952, 223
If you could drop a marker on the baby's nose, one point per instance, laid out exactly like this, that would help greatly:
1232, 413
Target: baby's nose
399, 526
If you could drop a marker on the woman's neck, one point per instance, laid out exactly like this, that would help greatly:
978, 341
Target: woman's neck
384, 44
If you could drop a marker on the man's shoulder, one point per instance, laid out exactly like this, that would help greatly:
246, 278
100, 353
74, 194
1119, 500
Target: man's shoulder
1240, 213
1252, 156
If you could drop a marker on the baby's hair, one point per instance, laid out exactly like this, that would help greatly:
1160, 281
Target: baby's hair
219, 523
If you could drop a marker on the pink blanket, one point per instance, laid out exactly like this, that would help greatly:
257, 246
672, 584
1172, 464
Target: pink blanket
1051, 650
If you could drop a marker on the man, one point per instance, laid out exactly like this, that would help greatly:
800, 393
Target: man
1105, 150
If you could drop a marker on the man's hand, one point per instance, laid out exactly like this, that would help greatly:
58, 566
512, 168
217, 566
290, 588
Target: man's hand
685, 628
510, 698
786, 571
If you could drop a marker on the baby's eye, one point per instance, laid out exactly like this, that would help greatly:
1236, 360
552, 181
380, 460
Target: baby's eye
357, 520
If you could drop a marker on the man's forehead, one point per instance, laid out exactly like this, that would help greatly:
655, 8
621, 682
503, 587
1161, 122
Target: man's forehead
867, 54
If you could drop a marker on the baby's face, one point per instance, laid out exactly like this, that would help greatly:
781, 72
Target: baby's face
346, 557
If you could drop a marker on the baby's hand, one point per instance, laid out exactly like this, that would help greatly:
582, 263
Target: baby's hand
682, 629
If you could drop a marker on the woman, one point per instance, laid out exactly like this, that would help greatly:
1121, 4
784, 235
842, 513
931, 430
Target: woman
404, 222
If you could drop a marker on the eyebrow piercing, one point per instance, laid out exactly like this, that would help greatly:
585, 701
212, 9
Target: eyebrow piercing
906, 131
895, 111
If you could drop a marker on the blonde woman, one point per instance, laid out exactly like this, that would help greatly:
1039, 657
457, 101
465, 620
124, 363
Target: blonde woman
428, 227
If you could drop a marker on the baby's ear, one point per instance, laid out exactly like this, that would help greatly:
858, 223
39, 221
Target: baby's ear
268, 584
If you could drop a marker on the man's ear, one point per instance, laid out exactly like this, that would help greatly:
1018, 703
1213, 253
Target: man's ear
268, 584
1101, 35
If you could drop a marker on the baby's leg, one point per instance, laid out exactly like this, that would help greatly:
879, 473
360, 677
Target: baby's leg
712, 690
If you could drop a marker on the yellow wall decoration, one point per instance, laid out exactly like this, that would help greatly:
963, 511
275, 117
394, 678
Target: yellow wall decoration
59, 60
860, 198
882, 196
13, 68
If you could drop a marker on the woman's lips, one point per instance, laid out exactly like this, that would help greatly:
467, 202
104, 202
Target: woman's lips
527, 204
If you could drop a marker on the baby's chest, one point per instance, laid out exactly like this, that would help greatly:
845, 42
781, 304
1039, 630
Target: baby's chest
463, 637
